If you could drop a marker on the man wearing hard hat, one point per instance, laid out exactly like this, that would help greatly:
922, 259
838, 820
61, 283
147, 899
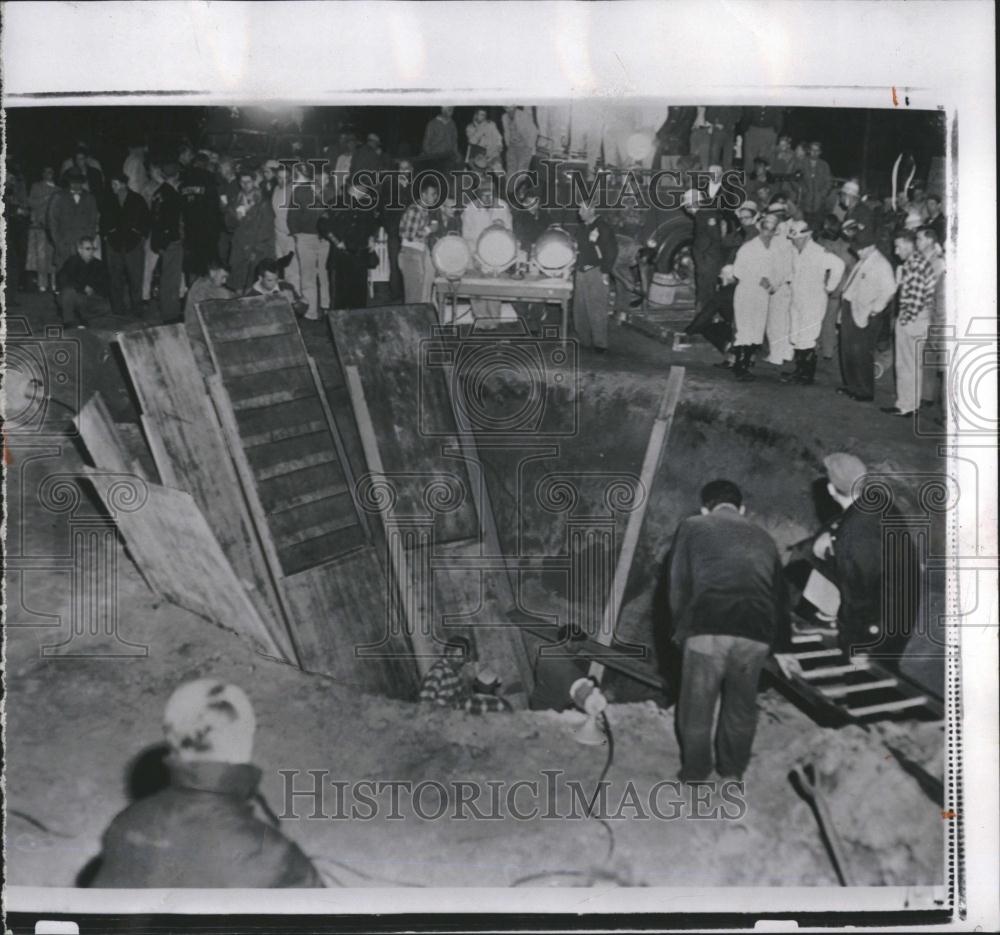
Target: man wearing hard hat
201, 830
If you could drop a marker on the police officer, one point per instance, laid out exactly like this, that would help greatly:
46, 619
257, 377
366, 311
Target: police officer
707, 250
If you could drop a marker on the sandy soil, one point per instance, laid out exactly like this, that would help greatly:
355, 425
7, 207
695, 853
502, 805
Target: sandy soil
78, 726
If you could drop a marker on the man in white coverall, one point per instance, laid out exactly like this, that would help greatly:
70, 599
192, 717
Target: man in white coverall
815, 274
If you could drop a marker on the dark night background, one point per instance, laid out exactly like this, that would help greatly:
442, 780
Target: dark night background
856, 142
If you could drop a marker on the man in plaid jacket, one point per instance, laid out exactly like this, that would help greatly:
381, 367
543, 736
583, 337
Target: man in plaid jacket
446, 683
915, 302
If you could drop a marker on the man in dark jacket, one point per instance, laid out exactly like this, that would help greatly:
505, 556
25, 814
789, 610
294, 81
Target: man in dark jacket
125, 224
729, 606
82, 285
202, 217
201, 830
863, 548
351, 232
723, 121
597, 251
706, 250
761, 128
165, 241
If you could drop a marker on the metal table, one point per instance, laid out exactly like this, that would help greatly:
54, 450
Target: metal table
528, 289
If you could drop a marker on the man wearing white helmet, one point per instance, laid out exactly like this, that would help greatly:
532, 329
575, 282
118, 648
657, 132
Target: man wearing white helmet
815, 274
201, 830
754, 269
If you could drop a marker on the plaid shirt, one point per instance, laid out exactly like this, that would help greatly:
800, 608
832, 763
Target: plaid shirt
482, 704
917, 283
443, 685
412, 226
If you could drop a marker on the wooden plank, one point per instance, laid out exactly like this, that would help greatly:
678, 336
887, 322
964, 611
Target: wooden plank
650, 465
819, 654
338, 442
838, 691
277, 493
190, 452
322, 550
343, 626
307, 496
238, 314
900, 704
170, 540
227, 424
251, 355
261, 422
294, 454
418, 631
267, 389
829, 672
106, 447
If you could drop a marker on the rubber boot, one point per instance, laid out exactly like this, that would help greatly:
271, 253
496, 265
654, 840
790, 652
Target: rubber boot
809, 361
794, 376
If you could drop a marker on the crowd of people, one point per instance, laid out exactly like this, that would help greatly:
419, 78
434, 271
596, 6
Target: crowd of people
805, 269
809, 272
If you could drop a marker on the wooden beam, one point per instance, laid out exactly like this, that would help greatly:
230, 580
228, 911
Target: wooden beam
422, 643
650, 465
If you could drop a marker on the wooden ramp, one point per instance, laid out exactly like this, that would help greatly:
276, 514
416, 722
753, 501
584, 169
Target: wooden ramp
835, 689
291, 463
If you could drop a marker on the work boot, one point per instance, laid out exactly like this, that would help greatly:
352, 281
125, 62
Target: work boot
741, 369
794, 376
808, 375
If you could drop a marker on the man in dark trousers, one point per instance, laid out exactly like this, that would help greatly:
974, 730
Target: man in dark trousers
351, 232
863, 560
761, 128
729, 606
707, 250
201, 831
125, 224
202, 217
597, 250
165, 241
83, 287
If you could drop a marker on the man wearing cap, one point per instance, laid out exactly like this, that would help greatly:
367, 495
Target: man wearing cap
754, 269
856, 216
597, 252
706, 250
250, 219
201, 831
861, 560
815, 274
915, 305
867, 292
779, 323
202, 218
728, 607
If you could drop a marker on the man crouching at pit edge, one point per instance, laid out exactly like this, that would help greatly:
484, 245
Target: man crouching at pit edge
729, 605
